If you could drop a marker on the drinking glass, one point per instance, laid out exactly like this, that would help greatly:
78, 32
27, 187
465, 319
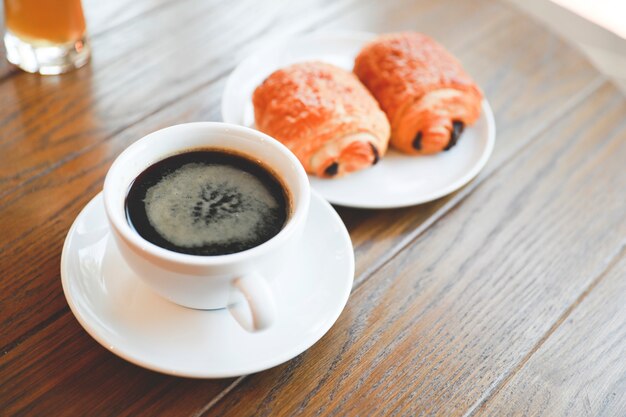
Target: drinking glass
45, 36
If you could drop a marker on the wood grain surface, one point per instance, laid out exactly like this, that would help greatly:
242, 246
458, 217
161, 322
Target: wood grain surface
458, 304
390, 228
579, 370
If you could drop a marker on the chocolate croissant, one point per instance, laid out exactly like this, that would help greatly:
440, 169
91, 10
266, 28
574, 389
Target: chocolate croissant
324, 115
422, 88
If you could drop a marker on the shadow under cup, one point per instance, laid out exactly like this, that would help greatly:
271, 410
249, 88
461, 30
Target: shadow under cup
204, 282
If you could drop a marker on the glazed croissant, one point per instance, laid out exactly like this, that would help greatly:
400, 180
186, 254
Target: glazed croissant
422, 88
324, 115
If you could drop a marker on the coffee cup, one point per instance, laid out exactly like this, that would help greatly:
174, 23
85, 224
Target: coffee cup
237, 281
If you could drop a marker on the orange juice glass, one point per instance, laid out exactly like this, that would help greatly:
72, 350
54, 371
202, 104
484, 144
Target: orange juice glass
45, 36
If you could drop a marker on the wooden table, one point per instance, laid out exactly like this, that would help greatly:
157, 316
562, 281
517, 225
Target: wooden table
507, 297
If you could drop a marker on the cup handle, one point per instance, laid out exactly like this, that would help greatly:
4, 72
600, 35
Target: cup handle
260, 301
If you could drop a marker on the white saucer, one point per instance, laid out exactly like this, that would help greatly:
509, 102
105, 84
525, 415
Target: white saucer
397, 180
127, 318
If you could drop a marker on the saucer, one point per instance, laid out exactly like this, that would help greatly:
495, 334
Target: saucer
398, 180
126, 317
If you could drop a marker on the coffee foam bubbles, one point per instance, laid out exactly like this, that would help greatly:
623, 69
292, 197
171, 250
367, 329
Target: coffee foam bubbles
203, 204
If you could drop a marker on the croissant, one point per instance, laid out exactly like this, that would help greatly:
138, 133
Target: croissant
324, 115
422, 88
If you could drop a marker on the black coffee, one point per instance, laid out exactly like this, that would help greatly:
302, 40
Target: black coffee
207, 202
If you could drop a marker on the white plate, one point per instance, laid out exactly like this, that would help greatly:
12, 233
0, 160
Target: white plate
397, 180
127, 318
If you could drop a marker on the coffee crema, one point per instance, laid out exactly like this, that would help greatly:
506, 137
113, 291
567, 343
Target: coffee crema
207, 202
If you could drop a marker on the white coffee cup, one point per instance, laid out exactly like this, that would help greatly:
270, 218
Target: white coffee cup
209, 282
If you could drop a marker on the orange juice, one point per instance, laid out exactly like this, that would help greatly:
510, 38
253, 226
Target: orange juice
45, 21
